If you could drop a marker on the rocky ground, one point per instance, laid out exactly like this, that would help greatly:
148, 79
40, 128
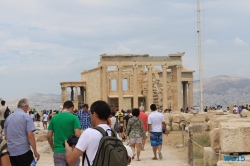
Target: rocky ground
171, 155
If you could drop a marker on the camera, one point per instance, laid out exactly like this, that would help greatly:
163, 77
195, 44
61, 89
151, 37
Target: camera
72, 140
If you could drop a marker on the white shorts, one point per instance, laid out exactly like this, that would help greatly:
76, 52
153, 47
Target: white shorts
135, 140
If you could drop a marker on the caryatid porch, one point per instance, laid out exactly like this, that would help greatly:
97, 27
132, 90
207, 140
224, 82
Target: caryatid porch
77, 93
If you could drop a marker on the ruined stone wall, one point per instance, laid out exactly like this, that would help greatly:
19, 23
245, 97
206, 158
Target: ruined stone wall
93, 85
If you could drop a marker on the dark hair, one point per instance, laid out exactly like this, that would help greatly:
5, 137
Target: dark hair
101, 108
113, 113
2, 102
30, 112
136, 112
68, 104
153, 107
85, 105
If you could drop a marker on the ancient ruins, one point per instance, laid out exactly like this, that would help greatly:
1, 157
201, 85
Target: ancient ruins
132, 80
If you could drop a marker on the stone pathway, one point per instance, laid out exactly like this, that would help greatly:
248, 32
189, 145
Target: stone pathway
171, 157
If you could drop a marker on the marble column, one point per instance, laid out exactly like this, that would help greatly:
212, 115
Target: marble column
190, 94
164, 90
120, 88
178, 82
105, 84
63, 94
76, 93
72, 94
135, 90
150, 88
184, 95
84, 96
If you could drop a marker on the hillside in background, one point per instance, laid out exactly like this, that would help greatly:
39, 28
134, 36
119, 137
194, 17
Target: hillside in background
220, 90
38, 101
223, 90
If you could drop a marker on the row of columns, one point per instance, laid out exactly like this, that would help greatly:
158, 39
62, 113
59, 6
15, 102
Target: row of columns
186, 96
73, 93
150, 86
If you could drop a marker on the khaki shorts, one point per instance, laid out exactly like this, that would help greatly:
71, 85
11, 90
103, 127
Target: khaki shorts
135, 140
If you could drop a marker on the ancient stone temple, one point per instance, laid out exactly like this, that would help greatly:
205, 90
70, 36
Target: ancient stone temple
132, 80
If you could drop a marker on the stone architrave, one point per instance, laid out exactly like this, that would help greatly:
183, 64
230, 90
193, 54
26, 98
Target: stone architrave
120, 88
234, 137
165, 95
135, 90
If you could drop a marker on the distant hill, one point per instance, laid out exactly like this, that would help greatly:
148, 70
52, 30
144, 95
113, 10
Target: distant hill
223, 90
38, 101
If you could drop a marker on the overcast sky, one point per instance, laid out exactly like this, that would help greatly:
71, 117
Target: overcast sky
44, 42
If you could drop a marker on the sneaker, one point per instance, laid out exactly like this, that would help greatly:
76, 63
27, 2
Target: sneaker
160, 155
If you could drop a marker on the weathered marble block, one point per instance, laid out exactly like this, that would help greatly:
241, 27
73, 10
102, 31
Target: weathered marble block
209, 157
175, 126
176, 118
234, 137
215, 139
200, 117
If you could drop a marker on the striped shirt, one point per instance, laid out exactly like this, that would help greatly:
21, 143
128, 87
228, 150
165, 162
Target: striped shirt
16, 127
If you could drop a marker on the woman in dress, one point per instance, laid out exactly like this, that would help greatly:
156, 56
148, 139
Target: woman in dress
134, 132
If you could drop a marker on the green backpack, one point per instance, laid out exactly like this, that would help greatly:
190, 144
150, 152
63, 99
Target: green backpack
110, 152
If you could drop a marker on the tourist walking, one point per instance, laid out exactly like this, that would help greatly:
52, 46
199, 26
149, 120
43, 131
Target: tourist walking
45, 119
134, 132
89, 141
19, 128
3, 108
144, 118
112, 120
84, 117
156, 124
62, 126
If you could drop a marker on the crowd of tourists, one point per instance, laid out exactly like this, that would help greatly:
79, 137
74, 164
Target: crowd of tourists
86, 132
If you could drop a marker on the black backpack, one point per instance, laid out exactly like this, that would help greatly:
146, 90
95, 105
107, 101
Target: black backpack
6, 113
110, 152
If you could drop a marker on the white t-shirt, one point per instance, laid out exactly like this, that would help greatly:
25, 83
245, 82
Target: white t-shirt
89, 141
45, 117
156, 119
32, 116
2, 111
112, 120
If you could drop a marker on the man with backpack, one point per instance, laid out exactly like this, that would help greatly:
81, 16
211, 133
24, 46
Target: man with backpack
99, 145
4, 113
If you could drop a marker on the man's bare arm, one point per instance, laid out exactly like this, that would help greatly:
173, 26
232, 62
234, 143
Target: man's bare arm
78, 132
50, 139
72, 156
33, 143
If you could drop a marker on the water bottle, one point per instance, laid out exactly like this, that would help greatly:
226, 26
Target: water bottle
33, 163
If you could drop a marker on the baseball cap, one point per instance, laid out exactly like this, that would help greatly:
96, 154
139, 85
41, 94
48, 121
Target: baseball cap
129, 151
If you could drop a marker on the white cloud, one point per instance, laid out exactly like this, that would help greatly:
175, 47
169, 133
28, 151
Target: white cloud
237, 41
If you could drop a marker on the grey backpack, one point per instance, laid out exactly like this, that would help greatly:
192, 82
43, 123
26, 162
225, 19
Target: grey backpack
110, 152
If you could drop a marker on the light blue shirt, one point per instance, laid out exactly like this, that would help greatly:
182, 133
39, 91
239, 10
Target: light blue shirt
16, 127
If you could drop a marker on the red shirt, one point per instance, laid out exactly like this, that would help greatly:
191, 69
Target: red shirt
144, 118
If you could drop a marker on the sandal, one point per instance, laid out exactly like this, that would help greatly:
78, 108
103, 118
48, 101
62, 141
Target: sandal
154, 158
133, 156
138, 160
160, 155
